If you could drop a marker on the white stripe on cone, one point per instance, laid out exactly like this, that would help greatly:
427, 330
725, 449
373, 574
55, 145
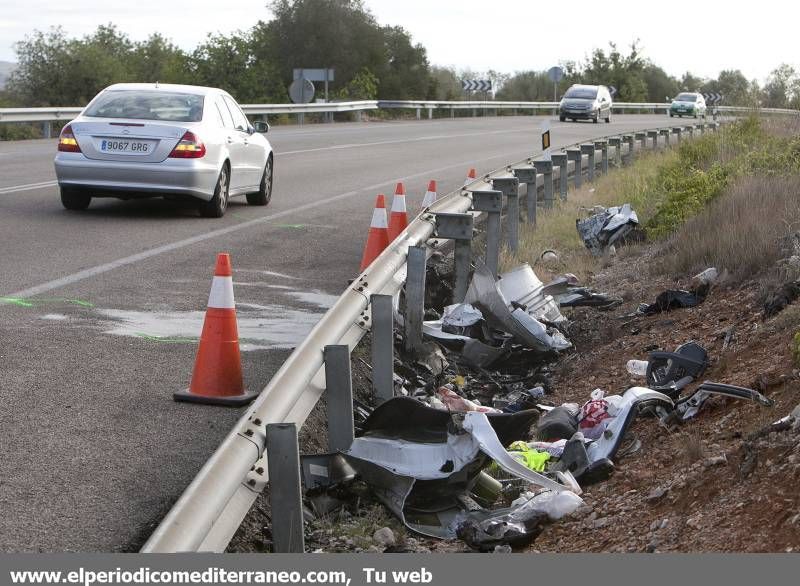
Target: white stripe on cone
221, 296
379, 218
429, 199
399, 202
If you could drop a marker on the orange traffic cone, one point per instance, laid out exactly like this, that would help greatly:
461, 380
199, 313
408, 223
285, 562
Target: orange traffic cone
217, 376
378, 237
398, 219
470, 176
430, 195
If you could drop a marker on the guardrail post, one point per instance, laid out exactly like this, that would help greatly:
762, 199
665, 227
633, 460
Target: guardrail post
642, 138
527, 175
510, 188
286, 499
382, 347
713, 126
677, 132
654, 135
690, 131
490, 202
616, 142
339, 397
419, 113
702, 128
629, 140
603, 146
575, 155
588, 150
47, 129
665, 132
459, 228
415, 299
560, 160
544, 167
430, 113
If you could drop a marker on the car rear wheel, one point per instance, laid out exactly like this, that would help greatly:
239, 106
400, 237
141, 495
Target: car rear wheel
72, 199
596, 118
216, 206
264, 194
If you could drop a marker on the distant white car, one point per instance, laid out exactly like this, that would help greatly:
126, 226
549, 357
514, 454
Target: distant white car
175, 141
688, 104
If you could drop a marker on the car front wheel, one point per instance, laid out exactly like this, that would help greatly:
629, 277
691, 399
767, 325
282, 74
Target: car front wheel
72, 199
264, 193
216, 206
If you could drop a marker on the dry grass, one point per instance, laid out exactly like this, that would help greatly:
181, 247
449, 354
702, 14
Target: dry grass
556, 227
741, 231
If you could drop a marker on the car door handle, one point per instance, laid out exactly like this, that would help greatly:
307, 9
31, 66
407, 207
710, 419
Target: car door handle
246, 142
230, 140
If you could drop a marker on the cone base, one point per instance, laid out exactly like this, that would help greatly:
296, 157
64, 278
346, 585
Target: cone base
186, 396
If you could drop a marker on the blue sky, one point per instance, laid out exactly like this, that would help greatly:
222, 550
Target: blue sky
506, 35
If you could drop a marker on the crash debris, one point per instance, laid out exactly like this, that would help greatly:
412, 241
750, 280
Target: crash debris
606, 226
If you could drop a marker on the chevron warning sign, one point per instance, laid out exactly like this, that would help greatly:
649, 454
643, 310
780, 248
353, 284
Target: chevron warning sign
713, 97
479, 85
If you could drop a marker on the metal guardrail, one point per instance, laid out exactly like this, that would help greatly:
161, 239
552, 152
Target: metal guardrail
55, 114
212, 507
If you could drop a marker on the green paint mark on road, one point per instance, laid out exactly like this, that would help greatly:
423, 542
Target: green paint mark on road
164, 339
16, 301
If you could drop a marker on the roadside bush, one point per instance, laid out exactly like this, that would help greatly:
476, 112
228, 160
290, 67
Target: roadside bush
743, 232
19, 131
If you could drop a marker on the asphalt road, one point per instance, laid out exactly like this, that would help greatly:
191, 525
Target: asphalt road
100, 310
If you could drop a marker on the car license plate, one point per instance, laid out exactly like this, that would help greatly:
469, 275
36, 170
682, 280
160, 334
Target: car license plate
125, 146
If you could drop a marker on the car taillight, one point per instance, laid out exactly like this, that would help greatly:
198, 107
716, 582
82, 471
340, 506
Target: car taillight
190, 147
67, 142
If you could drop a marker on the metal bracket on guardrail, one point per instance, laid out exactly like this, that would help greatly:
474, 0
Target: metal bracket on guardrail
339, 397
690, 131
527, 175
653, 134
702, 128
458, 227
560, 161
286, 499
415, 299
574, 154
713, 126
491, 203
630, 141
510, 188
602, 146
665, 132
382, 347
642, 138
545, 167
588, 150
677, 132
616, 142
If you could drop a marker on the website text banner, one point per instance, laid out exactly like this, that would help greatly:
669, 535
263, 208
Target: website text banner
367, 569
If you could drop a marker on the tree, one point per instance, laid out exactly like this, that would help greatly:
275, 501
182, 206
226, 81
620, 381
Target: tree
231, 63
445, 84
782, 87
405, 72
157, 59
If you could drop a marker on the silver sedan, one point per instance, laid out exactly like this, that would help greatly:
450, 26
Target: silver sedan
175, 141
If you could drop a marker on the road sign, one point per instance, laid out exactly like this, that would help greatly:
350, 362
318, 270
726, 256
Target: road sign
480, 85
555, 74
313, 74
546, 140
301, 91
612, 90
713, 97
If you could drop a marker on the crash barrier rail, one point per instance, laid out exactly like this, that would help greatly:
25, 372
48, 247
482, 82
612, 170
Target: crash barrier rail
213, 506
49, 115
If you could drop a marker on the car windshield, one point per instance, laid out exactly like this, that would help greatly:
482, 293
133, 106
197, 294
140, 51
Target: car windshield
581, 93
686, 98
147, 105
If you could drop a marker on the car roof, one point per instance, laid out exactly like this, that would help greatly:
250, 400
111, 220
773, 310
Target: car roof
172, 87
582, 85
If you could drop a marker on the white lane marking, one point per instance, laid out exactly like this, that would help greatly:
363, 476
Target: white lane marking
27, 187
134, 258
401, 141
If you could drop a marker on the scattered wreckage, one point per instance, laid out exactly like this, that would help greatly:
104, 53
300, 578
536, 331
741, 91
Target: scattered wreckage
483, 456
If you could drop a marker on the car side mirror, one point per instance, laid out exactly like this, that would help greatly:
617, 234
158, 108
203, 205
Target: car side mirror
261, 127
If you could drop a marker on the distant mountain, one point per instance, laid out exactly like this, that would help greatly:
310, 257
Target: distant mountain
6, 67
